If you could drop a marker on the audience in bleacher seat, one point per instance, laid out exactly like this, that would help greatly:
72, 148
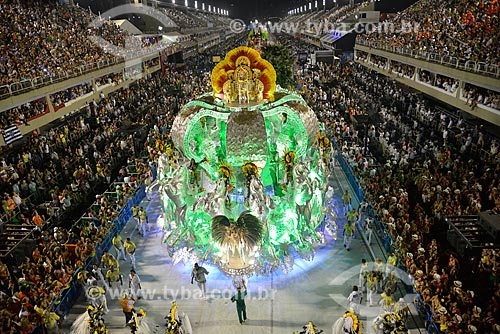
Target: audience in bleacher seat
423, 170
60, 98
22, 114
477, 95
63, 167
459, 29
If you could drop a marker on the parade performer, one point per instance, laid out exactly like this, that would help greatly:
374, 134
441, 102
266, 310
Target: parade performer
348, 324
310, 329
90, 322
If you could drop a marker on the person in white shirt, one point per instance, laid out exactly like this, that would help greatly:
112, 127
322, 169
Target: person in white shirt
134, 284
355, 299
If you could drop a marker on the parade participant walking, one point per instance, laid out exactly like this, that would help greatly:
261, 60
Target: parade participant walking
369, 229
363, 274
371, 285
118, 245
346, 199
135, 215
97, 296
348, 233
355, 299
378, 268
130, 248
134, 284
241, 307
108, 260
127, 305
50, 322
114, 277
143, 217
198, 274
390, 264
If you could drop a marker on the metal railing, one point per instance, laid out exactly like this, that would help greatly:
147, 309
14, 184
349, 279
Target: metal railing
482, 68
27, 85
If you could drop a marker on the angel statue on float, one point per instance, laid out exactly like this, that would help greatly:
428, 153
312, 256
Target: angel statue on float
238, 240
255, 199
227, 174
289, 163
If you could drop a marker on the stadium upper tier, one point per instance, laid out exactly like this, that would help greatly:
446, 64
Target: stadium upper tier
452, 29
43, 41
40, 39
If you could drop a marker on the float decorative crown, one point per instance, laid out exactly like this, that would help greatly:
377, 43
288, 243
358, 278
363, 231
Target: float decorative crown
243, 76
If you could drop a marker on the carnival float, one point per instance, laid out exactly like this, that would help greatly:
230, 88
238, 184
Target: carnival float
243, 185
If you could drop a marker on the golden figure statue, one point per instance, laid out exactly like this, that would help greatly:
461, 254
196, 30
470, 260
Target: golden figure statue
244, 77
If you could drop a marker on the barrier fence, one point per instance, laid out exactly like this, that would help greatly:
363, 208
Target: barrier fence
383, 235
481, 68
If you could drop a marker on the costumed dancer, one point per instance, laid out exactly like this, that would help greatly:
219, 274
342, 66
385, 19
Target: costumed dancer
348, 324
355, 299
310, 329
139, 323
173, 322
176, 325
96, 296
90, 322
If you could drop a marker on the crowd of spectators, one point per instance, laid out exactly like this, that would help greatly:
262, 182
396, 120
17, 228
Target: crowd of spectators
341, 13
473, 95
71, 163
477, 95
110, 79
461, 29
182, 19
22, 114
424, 170
447, 84
402, 69
60, 98
46, 38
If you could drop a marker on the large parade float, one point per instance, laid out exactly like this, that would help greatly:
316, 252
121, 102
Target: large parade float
243, 185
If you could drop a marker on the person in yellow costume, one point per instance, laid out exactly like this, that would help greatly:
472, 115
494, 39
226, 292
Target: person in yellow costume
50, 322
